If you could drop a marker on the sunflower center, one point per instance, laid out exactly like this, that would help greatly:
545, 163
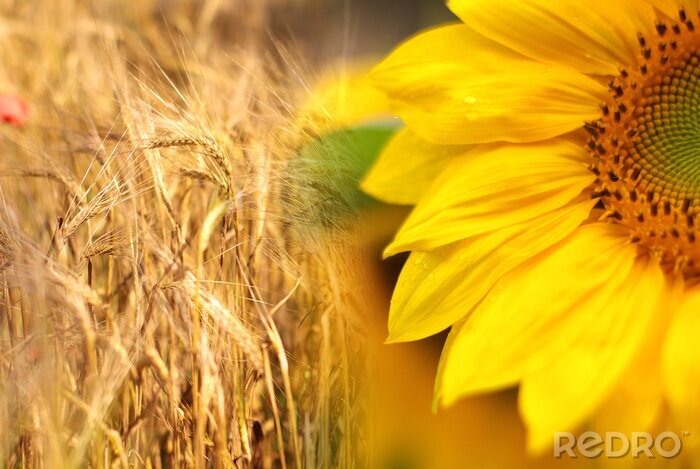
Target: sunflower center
646, 147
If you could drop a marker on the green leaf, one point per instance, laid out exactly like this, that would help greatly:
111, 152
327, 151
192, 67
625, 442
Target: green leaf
324, 190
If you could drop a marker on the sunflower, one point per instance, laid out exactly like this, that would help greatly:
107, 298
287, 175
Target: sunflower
552, 152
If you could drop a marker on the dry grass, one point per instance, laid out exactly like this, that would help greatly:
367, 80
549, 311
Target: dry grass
158, 307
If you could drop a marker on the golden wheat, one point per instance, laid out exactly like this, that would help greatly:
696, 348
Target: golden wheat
159, 307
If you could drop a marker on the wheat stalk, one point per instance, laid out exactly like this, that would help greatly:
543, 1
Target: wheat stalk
161, 306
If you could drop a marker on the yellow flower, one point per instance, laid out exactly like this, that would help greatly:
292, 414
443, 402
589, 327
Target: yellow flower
552, 152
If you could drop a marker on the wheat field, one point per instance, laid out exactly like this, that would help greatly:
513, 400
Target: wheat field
165, 299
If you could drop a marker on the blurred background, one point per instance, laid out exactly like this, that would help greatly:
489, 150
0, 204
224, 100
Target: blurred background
359, 28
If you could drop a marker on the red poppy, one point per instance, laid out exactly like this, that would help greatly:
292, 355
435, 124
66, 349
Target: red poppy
13, 109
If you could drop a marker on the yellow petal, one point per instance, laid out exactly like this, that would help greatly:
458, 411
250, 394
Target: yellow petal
637, 400
439, 287
535, 312
493, 187
344, 98
681, 363
636, 404
616, 325
594, 37
406, 167
453, 86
